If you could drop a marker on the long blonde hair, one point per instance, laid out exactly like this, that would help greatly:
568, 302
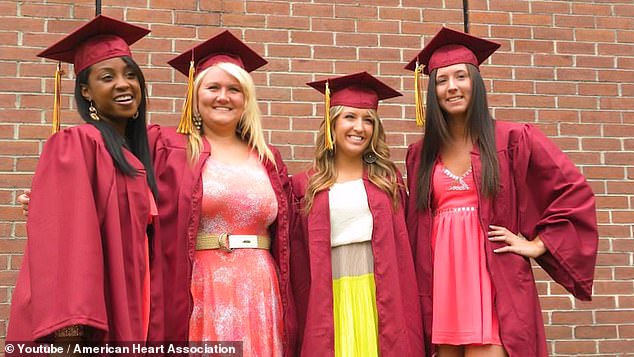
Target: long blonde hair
250, 125
382, 172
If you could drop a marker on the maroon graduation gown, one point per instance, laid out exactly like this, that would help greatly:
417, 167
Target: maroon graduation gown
400, 327
541, 193
179, 205
85, 259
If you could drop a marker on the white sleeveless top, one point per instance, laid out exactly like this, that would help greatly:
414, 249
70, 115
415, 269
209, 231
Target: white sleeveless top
350, 216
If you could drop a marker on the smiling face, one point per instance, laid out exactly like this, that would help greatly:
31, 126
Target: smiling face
353, 130
220, 100
114, 88
453, 89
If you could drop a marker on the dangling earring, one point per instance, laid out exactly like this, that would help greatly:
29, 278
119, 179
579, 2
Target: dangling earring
198, 121
369, 157
136, 115
93, 112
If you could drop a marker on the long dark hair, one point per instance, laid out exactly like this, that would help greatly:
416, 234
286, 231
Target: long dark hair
135, 138
480, 126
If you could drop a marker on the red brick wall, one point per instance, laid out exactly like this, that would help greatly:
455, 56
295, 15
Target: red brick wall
567, 66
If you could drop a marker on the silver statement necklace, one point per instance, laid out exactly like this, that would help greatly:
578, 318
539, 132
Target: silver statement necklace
458, 184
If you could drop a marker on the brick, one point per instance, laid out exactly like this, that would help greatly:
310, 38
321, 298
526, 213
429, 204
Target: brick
378, 54
356, 11
531, 19
268, 36
195, 18
419, 28
574, 347
608, 346
534, 46
626, 331
316, 38
575, 21
356, 39
306, 9
311, 66
345, 53
289, 51
402, 14
612, 22
170, 4
613, 287
247, 20
444, 15
571, 317
500, 18
383, 26
280, 137
595, 35
288, 22
576, 48
550, 7
268, 7
516, 114
534, 101
595, 61
513, 87
335, 25
399, 41
511, 59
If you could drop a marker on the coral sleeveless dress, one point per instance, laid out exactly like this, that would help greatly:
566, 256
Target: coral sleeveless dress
463, 312
236, 294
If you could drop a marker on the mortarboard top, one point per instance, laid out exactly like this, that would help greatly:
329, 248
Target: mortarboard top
359, 90
224, 47
449, 47
101, 38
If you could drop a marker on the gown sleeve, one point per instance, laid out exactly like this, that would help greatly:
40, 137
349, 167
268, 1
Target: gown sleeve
73, 182
556, 203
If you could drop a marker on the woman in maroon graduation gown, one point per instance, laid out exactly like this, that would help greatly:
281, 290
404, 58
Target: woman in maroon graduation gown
85, 273
217, 176
478, 187
351, 264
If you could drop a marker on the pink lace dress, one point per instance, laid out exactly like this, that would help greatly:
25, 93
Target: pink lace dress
463, 295
236, 295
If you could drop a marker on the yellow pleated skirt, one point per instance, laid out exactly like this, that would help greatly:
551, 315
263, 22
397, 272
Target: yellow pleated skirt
354, 301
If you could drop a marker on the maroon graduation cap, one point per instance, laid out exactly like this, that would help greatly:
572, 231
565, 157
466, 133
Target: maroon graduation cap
446, 48
450, 47
358, 90
224, 47
100, 39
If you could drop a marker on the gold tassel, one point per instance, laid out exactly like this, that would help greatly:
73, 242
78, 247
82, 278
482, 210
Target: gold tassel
328, 134
418, 93
57, 103
186, 124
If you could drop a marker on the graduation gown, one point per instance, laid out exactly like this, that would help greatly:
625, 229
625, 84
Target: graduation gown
541, 193
180, 197
400, 328
85, 258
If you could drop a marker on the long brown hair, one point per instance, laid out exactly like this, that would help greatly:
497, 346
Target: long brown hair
480, 126
382, 172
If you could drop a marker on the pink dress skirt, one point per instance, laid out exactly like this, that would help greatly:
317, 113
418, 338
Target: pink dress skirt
236, 295
463, 295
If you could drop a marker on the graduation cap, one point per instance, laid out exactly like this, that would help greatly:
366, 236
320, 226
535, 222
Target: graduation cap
446, 48
224, 47
101, 38
358, 90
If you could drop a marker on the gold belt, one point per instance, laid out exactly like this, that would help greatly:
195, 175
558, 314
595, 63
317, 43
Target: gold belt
229, 242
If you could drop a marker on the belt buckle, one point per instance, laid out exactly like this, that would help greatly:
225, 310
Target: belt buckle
223, 242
